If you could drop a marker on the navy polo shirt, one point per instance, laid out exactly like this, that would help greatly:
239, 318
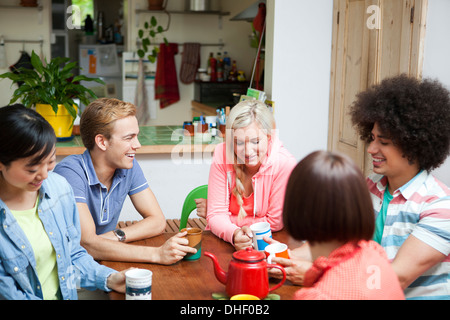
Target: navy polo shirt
105, 205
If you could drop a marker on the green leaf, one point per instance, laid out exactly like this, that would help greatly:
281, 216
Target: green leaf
10, 75
153, 21
85, 78
69, 67
71, 109
140, 33
141, 53
36, 62
219, 296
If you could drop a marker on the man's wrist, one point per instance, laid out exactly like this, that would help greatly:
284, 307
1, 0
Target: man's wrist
120, 234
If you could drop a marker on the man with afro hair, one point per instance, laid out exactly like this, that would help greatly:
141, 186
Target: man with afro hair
406, 123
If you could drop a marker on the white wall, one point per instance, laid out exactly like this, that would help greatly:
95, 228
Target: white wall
22, 24
170, 180
298, 79
436, 57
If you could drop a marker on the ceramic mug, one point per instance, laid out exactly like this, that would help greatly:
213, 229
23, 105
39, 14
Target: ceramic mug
138, 284
260, 230
276, 250
194, 236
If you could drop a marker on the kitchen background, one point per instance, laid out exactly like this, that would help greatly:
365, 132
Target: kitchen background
297, 74
49, 23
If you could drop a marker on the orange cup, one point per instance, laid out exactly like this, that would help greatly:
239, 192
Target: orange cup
276, 250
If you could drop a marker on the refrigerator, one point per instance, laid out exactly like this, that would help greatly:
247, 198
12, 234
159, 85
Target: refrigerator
102, 61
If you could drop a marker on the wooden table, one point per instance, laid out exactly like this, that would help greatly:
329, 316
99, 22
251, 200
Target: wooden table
193, 280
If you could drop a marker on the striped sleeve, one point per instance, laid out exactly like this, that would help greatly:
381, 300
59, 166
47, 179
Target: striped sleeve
434, 225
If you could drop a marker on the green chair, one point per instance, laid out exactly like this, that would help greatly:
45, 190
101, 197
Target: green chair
189, 203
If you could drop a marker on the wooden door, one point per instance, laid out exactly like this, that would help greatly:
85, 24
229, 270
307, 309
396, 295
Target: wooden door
372, 40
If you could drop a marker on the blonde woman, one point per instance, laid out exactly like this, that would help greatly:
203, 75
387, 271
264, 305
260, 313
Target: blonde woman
248, 175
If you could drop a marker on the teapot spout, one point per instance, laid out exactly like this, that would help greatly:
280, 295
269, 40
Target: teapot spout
221, 275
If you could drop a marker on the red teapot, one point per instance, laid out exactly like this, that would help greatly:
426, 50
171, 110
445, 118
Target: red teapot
247, 273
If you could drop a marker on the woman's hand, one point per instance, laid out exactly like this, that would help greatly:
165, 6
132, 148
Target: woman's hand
201, 207
242, 238
295, 269
300, 261
116, 281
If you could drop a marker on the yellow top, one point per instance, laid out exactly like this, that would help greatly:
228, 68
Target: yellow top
44, 252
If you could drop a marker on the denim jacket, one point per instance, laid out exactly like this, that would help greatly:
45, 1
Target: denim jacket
59, 215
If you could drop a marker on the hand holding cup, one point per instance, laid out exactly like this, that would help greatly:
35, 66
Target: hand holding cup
194, 236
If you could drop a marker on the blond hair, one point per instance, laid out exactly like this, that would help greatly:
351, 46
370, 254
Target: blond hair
242, 115
99, 117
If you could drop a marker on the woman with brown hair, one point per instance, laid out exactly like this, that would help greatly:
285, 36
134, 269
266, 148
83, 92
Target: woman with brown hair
328, 205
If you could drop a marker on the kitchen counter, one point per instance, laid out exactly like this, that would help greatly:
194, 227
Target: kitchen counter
154, 140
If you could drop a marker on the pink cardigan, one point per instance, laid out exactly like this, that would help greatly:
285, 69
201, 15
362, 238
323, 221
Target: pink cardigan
269, 185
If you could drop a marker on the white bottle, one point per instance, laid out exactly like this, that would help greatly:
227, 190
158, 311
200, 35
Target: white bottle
2, 54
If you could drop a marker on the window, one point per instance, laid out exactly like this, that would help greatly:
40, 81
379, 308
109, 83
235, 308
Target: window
80, 10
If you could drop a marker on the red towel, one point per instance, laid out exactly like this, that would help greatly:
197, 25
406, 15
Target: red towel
166, 83
259, 20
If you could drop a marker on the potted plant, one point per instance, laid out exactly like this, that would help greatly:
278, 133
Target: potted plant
52, 89
150, 31
157, 4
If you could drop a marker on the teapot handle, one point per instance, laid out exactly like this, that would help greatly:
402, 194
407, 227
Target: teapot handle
282, 280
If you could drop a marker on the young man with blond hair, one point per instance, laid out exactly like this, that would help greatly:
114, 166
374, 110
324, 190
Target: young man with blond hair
103, 176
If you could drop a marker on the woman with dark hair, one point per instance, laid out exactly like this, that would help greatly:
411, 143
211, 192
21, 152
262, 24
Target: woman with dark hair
40, 252
406, 123
328, 205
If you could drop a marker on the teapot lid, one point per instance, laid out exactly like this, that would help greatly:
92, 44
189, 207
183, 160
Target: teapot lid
249, 255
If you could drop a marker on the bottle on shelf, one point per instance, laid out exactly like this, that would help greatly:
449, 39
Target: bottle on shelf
100, 27
88, 25
233, 72
226, 65
219, 67
212, 68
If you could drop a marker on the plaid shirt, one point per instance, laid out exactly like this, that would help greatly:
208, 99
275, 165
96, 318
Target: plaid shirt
421, 208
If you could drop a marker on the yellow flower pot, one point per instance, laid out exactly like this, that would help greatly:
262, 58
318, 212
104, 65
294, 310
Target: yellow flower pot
61, 121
